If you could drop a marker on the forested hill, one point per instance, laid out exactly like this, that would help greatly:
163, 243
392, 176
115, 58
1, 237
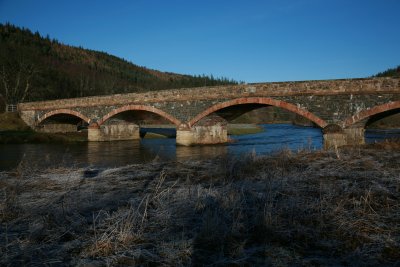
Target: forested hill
393, 72
33, 67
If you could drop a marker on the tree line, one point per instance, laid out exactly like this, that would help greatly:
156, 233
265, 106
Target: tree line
34, 67
392, 72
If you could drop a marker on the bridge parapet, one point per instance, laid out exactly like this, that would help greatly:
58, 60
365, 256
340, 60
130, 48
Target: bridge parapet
311, 88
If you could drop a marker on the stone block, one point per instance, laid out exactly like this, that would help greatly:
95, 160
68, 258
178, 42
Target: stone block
350, 136
202, 135
334, 140
114, 132
355, 136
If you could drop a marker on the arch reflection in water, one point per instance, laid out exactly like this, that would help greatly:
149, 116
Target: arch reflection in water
200, 152
112, 154
41, 156
118, 153
377, 135
146, 150
276, 137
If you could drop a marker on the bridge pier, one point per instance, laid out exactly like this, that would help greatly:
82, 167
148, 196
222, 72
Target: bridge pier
202, 135
335, 136
355, 135
113, 132
210, 130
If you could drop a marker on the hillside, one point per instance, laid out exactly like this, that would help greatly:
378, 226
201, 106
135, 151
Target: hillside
33, 67
392, 72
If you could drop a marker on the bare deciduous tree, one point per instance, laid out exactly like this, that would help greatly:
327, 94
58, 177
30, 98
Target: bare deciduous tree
16, 80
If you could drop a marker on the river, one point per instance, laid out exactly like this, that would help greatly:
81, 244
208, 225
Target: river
114, 154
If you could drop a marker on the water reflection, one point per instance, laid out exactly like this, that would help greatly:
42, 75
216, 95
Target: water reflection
376, 135
277, 136
113, 154
145, 150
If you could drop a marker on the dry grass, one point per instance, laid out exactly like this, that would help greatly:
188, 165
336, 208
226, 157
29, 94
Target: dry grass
321, 209
241, 129
13, 130
10, 121
387, 144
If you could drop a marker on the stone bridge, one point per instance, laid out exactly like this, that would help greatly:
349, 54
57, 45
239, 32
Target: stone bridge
341, 108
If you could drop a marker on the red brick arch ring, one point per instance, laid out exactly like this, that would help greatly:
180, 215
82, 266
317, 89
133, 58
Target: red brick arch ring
370, 112
62, 111
143, 108
260, 100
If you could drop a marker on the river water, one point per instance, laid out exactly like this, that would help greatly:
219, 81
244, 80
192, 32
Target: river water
114, 154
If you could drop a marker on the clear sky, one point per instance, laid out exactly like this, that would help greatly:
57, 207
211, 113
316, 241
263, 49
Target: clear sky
247, 40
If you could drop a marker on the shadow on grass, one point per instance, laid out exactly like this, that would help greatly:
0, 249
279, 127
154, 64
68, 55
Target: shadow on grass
285, 209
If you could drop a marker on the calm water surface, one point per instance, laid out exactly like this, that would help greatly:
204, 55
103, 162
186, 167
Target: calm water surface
114, 154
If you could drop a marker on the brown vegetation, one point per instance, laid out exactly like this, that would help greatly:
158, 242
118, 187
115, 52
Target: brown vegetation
33, 67
13, 130
309, 208
10, 121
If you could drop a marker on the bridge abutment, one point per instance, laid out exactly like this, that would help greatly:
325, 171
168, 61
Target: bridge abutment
335, 136
113, 132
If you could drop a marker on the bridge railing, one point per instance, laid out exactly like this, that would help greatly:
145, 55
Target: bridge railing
11, 108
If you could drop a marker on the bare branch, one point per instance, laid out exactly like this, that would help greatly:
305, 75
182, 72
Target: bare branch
5, 82
30, 72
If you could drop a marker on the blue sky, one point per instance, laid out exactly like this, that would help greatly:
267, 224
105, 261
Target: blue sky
251, 41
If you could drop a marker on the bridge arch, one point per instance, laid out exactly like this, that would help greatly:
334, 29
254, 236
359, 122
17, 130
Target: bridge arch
260, 100
364, 114
151, 109
62, 111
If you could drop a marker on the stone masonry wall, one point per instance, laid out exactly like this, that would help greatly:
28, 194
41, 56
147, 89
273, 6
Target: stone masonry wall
332, 101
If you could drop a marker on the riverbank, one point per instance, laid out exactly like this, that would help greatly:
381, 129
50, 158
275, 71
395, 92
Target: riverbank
32, 137
14, 131
243, 128
310, 208
10, 121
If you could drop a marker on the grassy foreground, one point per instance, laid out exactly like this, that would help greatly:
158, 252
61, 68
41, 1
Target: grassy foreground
306, 209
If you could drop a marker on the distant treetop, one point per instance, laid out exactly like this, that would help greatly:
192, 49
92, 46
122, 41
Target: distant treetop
393, 72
